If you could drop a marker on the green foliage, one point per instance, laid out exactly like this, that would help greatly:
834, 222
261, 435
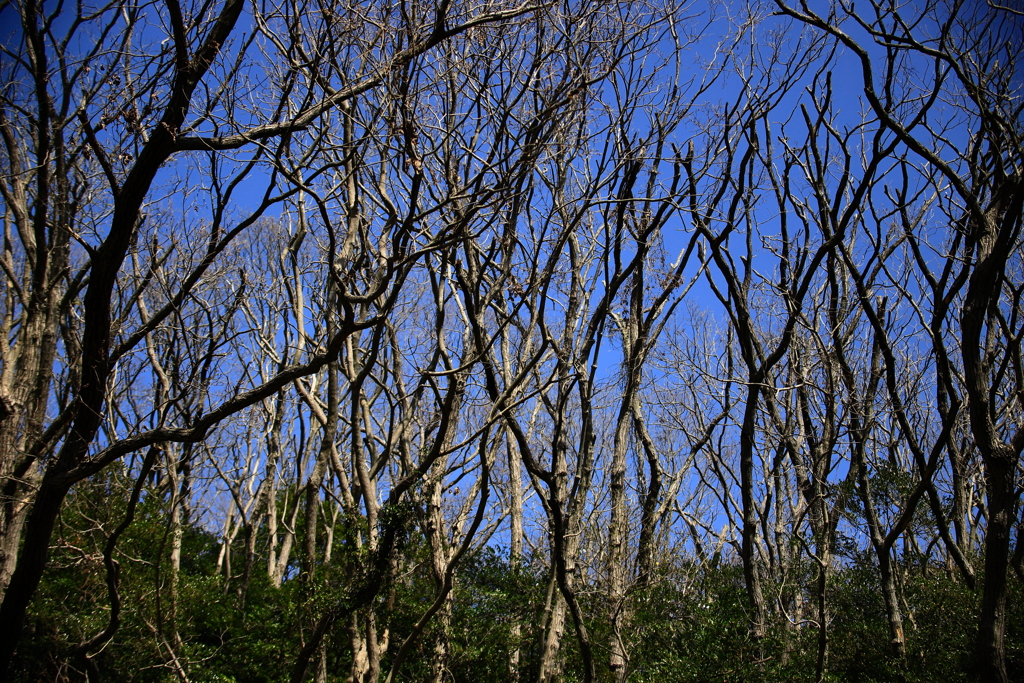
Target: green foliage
690, 623
492, 596
223, 642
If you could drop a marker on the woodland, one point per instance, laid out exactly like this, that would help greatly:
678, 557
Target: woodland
511, 340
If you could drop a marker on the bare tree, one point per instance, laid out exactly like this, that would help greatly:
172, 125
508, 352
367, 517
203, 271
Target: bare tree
401, 270
63, 113
966, 51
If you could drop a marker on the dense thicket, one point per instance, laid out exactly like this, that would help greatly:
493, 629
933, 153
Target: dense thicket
511, 341
690, 624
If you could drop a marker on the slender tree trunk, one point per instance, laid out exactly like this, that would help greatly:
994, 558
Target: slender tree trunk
175, 531
360, 660
883, 552
515, 543
25, 394
821, 590
439, 557
268, 492
442, 646
1000, 474
17, 501
652, 506
287, 543
549, 667
748, 548
31, 563
375, 645
26, 381
617, 551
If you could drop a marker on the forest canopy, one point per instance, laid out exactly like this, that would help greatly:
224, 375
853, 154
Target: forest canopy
498, 340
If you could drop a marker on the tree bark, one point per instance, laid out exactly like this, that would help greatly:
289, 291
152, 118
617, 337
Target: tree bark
1000, 481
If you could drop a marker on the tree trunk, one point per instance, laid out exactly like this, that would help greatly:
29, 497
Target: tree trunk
516, 542
549, 667
748, 548
999, 484
617, 551
439, 559
31, 563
